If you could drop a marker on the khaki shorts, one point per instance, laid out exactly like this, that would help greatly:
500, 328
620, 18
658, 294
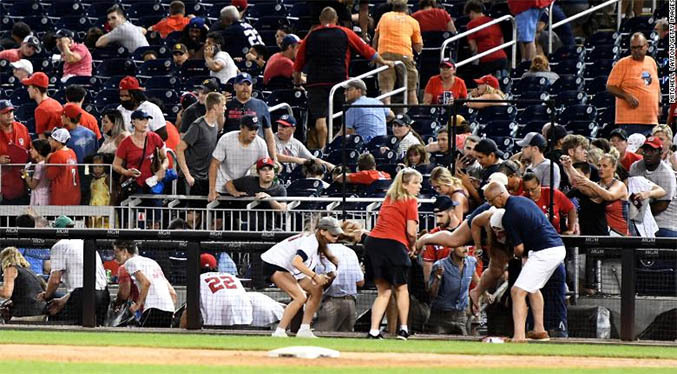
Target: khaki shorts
388, 78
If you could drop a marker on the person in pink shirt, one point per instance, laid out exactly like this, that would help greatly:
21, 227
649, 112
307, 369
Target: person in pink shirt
77, 61
29, 47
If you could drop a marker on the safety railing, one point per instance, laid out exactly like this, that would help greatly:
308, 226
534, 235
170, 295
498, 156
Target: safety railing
332, 92
512, 43
280, 106
82, 168
552, 26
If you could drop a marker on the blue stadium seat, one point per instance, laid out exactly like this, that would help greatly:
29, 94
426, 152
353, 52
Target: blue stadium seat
567, 82
117, 66
336, 157
580, 112
490, 114
107, 97
602, 37
65, 9
540, 113
533, 126
568, 67
24, 111
193, 68
112, 83
156, 68
161, 51
108, 53
600, 68
603, 100
270, 22
141, 9
74, 23
425, 125
378, 188
586, 128
39, 23
20, 97
168, 97
92, 84
531, 84
166, 83
635, 24
566, 53
352, 142
305, 187
602, 51
570, 97
392, 169
25, 9
498, 128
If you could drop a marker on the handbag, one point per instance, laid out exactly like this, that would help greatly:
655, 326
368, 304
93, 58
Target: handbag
130, 187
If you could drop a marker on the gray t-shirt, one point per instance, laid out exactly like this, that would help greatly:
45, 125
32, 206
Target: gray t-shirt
201, 139
542, 171
292, 147
236, 159
129, 36
664, 177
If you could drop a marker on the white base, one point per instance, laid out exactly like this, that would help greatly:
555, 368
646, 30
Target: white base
304, 352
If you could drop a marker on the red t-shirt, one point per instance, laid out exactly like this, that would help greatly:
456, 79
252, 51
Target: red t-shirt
629, 158
433, 252
433, 19
367, 176
47, 115
87, 120
124, 277
392, 220
64, 186
562, 205
435, 88
278, 66
13, 186
11, 55
131, 154
487, 38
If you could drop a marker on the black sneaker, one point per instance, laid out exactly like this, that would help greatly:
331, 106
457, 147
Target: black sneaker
402, 335
377, 337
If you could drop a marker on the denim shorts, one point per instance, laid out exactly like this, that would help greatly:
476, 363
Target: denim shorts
526, 23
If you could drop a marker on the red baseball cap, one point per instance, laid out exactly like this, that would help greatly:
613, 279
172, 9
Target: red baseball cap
239, 4
266, 161
653, 142
207, 261
130, 83
38, 79
71, 110
488, 80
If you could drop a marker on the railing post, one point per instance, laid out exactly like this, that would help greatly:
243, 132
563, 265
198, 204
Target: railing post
193, 286
550, 27
628, 294
89, 284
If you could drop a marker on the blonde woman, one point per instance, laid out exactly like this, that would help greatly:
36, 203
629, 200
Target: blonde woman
19, 277
446, 184
488, 88
389, 246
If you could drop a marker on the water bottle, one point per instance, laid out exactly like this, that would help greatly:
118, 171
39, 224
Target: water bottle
109, 276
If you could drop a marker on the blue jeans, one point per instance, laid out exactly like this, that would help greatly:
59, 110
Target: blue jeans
634, 129
665, 233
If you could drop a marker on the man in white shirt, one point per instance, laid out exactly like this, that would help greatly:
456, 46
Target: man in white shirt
132, 99
123, 32
219, 62
156, 296
67, 257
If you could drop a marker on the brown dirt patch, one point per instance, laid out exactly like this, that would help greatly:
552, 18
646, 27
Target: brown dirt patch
168, 356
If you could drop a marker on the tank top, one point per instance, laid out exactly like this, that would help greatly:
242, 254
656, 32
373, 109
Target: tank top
617, 214
26, 287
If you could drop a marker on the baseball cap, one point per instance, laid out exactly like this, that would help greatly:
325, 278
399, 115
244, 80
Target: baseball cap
65, 33
179, 47
488, 80
23, 64
357, 83
635, 141
330, 224
239, 4
63, 222
71, 110
498, 178
287, 120
61, 135
38, 79
402, 119
243, 77
443, 203
196, 23
129, 83
448, 63
533, 139
209, 85
653, 142
141, 114
288, 40
619, 133
207, 261
496, 220
560, 132
34, 41
488, 146
250, 121
6, 106
263, 162
187, 99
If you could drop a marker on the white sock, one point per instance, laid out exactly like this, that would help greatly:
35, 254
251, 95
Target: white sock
304, 327
374, 332
280, 330
404, 327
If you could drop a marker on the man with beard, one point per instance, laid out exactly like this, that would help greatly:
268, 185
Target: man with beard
194, 37
446, 220
132, 99
365, 122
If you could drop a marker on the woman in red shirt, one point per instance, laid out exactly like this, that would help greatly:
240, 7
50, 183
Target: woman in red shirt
445, 87
389, 246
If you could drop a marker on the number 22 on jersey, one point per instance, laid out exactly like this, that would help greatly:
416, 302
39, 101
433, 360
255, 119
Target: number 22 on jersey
221, 282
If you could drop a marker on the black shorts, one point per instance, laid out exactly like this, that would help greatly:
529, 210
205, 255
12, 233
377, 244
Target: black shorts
318, 102
386, 259
269, 270
156, 318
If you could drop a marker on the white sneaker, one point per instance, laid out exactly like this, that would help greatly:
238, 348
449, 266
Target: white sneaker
279, 334
305, 334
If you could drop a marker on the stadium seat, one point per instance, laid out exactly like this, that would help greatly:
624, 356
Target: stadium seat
20, 97
489, 114
580, 112
567, 82
568, 67
603, 100
161, 51
141, 9
166, 83
168, 97
39, 23
585, 128
602, 37
378, 188
155, 68
75, 23
425, 126
24, 111
533, 126
570, 97
305, 187
567, 52
59, 9
108, 53
92, 84
352, 142
114, 67
498, 128
24, 9
540, 113
602, 51
600, 68
336, 157
193, 68
107, 97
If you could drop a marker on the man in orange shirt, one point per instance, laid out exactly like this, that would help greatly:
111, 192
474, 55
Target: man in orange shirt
176, 21
64, 186
14, 144
75, 94
48, 112
397, 34
634, 82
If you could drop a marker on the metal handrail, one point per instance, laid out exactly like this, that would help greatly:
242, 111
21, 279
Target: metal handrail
579, 15
332, 115
282, 106
512, 43
276, 198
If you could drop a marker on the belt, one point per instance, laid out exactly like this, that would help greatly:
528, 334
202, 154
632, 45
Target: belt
347, 297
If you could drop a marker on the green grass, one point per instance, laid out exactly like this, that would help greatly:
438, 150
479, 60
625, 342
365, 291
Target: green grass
26, 367
205, 341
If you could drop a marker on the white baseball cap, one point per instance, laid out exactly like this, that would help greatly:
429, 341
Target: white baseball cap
61, 135
496, 220
635, 141
23, 64
498, 178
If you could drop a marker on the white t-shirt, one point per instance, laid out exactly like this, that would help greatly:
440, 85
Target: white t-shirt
158, 296
229, 69
282, 253
348, 274
236, 160
265, 310
223, 300
67, 255
157, 122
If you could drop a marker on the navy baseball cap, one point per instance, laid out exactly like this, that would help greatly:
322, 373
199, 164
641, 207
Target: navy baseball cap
243, 77
141, 114
65, 33
443, 203
487, 146
619, 132
209, 85
288, 40
6, 106
403, 119
533, 139
287, 121
251, 121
